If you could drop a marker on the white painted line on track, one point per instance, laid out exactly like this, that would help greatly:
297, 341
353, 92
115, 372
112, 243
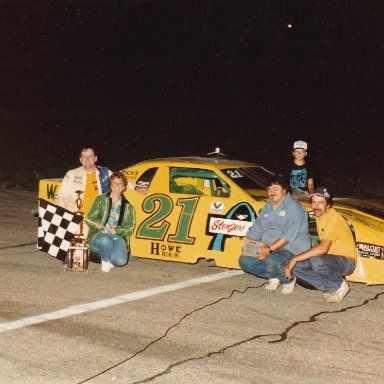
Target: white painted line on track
87, 307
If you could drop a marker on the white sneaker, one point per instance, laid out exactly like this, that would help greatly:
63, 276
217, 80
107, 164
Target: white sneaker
289, 287
335, 297
105, 266
272, 284
327, 294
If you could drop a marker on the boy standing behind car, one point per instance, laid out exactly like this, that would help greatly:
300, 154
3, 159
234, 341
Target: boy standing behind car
300, 173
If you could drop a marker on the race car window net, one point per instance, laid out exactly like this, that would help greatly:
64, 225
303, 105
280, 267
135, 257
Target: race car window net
197, 181
249, 177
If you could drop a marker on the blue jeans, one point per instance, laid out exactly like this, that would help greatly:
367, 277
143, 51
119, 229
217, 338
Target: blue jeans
111, 248
324, 272
273, 266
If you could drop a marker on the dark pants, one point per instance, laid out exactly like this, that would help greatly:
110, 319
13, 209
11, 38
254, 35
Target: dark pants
273, 266
324, 272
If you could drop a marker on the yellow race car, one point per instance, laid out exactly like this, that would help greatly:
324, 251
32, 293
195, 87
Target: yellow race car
202, 207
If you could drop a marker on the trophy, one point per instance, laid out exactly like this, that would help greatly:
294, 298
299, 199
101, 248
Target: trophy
78, 252
79, 236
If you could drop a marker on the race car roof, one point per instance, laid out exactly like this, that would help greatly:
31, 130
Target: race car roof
217, 161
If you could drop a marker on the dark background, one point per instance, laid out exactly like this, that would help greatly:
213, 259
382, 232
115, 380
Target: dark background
144, 79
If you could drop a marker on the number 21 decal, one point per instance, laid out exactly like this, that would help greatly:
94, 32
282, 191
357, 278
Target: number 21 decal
155, 227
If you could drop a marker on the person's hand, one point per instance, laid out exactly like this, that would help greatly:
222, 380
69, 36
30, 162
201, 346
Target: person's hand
112, 231
288, 269
98, 225
263, 253
142, 190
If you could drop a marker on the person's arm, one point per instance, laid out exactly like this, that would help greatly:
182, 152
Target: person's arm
256, 231
267, 249
295, 215
318, 250
95, 214
64, 191
311, 186
311, 177
127, 227
141, 190
138, 188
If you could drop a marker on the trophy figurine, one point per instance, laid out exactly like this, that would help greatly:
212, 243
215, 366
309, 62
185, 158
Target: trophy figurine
79, 237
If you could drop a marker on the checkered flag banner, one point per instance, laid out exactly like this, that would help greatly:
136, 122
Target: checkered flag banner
56, 230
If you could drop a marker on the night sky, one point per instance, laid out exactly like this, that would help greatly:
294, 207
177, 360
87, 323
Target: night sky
142, 79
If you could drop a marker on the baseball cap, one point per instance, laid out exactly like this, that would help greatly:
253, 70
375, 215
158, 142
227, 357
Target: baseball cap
323, 192
300, 145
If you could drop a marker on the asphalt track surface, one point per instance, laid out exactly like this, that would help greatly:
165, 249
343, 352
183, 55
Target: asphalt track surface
162, 322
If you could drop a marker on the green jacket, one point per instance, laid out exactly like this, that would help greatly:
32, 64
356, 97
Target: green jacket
99, 213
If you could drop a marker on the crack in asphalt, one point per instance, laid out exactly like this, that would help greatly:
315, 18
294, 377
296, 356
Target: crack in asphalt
17, 246
166, 333
283, 336
209, 354
313, 318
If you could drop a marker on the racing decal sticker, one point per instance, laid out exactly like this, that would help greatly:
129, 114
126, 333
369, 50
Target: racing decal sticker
216, 207
157, 225
240, 216
51, 191
236, 223
130, 174
165, 250
370, 250
229, 226
234, 174
142, 184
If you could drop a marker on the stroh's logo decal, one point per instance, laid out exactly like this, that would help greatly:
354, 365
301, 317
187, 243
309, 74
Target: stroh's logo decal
228, 226
241, 217
236, 222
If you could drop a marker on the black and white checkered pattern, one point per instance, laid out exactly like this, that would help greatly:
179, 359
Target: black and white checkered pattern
56, 230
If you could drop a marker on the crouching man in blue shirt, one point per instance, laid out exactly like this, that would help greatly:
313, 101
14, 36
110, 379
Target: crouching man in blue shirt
282, 226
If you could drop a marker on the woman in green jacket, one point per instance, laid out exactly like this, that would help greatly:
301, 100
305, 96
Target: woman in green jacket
111, 222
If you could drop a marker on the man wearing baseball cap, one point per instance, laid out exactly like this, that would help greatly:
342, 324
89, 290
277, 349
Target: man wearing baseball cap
282, 227
325, 265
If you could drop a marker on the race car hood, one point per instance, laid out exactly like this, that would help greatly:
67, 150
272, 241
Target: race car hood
257, 194
369, 212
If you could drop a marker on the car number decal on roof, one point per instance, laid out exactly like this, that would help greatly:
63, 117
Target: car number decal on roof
234, 174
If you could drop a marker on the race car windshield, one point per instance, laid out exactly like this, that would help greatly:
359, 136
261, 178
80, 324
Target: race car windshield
249, 177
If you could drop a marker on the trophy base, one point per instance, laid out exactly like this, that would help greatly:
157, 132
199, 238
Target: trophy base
77, 258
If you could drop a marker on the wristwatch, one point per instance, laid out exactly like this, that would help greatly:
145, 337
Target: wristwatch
270, 249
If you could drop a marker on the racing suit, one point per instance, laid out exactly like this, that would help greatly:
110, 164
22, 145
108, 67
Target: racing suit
75, 180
